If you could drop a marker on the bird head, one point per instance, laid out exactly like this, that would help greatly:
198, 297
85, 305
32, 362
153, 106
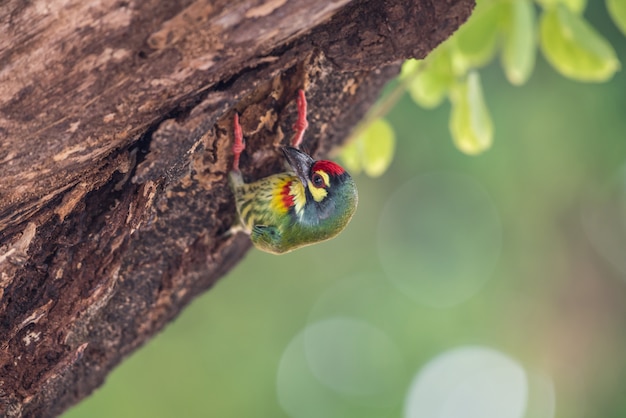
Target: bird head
331, 194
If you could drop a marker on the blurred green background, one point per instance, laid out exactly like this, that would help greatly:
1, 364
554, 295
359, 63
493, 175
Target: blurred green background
490, 286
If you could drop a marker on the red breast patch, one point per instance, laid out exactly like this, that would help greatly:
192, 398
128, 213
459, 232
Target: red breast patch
287, 198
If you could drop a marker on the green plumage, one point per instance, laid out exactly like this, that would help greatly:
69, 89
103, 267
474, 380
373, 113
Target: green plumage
279, 230
312, 202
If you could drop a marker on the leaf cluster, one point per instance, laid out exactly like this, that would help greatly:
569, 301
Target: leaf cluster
514, 30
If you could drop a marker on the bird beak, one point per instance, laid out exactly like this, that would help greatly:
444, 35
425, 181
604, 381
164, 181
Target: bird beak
300, 163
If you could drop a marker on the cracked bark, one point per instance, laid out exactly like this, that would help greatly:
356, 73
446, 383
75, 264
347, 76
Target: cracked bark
115, 136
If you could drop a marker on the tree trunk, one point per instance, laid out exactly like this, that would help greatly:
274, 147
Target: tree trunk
115, 146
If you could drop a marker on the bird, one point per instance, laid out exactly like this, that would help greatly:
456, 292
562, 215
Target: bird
312, 201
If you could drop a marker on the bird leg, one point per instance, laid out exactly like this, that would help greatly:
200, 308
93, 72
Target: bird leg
301, 124
300, 127
239, 145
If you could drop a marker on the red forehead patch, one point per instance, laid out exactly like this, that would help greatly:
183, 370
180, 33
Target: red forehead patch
328, 167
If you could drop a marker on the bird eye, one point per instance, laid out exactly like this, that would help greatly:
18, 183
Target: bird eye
317, 180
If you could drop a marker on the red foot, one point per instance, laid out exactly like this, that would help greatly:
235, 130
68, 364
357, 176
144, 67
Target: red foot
239, 145
301, 124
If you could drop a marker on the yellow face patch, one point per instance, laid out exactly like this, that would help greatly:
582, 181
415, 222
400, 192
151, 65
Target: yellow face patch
319, 192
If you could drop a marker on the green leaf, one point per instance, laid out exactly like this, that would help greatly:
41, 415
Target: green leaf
575, 6
617, 10
574, 48
379, 143
470, 123
518, 54
351, 157
474, 44
409, 68
430, 86
372, 151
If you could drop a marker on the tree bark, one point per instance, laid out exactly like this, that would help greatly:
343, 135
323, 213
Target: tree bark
115, 146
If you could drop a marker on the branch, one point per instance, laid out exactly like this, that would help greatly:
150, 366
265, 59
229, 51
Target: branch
115, 144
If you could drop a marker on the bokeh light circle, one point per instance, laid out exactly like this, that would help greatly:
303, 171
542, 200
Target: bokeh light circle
340, 367
440, 238
299, 394
469, 382
352, 357
367, 296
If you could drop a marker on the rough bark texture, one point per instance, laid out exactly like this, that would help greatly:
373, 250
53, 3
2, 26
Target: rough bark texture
115, 135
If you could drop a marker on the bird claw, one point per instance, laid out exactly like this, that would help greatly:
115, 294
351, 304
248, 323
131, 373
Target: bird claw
234, 229
300, 126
